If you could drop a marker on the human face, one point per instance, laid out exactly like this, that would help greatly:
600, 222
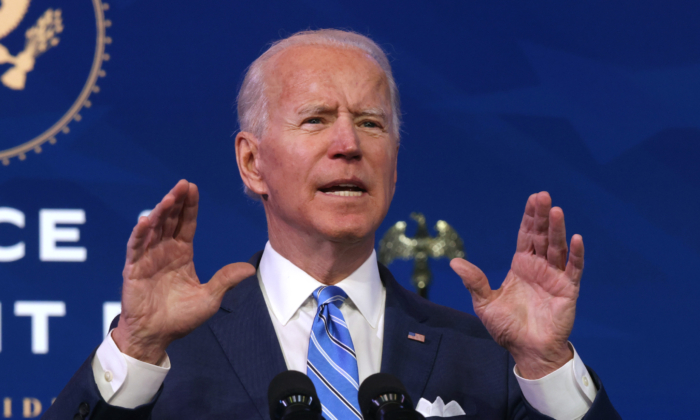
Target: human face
327, 159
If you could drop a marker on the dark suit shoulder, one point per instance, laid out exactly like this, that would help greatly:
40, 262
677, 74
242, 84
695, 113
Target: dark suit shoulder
445, 317
430, 313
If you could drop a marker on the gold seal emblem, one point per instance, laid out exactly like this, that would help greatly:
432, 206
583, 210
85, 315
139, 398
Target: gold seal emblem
397, 245
42, 38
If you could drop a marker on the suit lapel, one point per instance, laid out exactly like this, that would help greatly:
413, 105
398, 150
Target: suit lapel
245, 332
409, 360
244, 329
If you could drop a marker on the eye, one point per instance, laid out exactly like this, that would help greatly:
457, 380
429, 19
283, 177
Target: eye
314, 120
369, 124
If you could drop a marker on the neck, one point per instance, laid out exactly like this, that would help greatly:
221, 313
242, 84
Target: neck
327, 261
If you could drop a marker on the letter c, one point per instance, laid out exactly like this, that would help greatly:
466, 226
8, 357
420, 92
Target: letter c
16, 251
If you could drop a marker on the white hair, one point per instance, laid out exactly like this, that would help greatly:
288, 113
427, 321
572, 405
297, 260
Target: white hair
253, 103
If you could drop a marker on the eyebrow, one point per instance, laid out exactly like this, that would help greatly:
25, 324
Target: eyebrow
315, 109
372, 112
320, 109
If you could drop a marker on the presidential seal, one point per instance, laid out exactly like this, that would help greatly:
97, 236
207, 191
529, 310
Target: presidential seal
51, 56
397, 245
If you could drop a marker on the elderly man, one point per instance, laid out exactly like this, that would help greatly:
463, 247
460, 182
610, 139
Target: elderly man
319, 117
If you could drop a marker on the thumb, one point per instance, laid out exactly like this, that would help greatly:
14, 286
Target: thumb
228, 277
473, 278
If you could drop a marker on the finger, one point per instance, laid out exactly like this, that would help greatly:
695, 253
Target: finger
228, 277
540, 232
148, 229
556, 252
526, 226
473, 278
574, 268
136, 245
171, 222
156, 219
188, 217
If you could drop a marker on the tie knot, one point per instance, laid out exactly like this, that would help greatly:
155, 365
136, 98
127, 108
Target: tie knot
330, 294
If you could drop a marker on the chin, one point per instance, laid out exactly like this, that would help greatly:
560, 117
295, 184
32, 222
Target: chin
347, 231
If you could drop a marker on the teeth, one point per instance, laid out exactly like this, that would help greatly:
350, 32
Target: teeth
346, 193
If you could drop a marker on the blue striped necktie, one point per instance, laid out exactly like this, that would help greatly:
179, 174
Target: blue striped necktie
332, 364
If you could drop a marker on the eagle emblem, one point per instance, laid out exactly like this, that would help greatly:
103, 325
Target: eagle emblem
29, 29
38, 39
396, 245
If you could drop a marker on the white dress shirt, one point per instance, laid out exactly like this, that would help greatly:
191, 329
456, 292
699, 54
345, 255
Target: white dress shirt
564, 394
288, 294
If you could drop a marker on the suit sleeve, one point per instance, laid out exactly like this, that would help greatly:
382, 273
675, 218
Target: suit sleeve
81, 399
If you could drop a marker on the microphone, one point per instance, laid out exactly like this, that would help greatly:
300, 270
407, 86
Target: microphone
292, 396
383, 397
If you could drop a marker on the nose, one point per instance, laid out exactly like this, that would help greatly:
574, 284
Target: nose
345, 143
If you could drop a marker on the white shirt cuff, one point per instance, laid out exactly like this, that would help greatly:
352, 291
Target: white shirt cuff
565, 394
124, 381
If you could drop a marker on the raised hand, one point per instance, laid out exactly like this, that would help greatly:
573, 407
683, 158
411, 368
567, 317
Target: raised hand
162, 298
532, 313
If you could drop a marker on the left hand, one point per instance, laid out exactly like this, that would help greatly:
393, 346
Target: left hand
532, 313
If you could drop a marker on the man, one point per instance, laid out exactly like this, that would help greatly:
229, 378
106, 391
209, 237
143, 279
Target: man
319, 117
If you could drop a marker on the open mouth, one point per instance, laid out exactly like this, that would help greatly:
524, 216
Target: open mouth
344, 189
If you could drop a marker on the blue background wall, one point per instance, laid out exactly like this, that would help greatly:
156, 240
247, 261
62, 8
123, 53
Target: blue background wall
597, 103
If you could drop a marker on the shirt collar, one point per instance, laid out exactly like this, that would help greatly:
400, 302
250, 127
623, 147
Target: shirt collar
288, 286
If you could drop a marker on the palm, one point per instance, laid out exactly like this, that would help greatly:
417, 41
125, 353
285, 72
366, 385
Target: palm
532, 313
162, 290
541, 292
162, 298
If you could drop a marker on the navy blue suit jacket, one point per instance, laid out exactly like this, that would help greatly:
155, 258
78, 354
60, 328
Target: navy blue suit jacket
223, 368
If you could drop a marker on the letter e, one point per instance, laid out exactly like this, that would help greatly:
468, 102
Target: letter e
50, 234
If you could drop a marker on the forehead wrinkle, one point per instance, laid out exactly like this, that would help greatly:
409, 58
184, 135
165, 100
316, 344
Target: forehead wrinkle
285, 81
375, 98
316, 108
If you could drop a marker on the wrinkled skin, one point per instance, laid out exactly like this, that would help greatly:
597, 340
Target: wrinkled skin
329, 123
162, 297
532, 313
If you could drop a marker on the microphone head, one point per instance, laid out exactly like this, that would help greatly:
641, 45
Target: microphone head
381, 389
292, 388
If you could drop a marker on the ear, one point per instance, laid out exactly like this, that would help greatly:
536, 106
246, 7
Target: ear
248, 159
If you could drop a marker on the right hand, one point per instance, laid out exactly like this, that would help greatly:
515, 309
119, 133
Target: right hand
162, 298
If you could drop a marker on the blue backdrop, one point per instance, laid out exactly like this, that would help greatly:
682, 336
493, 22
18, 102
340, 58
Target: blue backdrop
596, 102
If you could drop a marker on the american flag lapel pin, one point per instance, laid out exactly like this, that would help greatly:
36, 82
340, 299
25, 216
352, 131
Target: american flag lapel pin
416, 337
